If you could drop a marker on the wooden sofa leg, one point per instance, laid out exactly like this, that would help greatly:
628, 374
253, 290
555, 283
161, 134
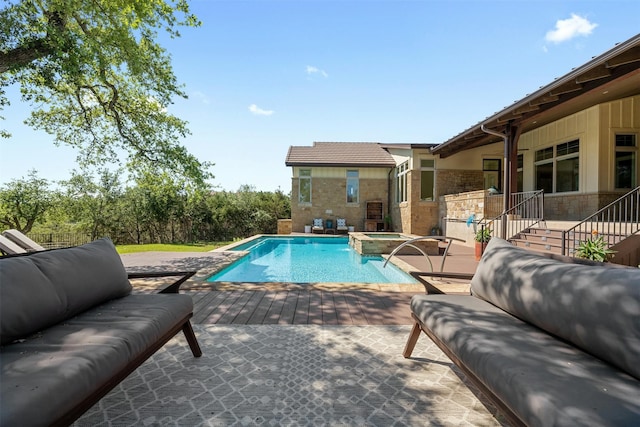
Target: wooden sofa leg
413, 339
191, 339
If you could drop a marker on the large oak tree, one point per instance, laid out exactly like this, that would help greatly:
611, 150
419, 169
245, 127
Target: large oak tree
97, 78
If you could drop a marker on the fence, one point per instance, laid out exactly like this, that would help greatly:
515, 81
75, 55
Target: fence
60, 240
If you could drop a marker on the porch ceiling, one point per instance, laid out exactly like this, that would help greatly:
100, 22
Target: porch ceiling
612, 75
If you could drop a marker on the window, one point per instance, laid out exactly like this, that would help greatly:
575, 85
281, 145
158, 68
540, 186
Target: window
305, 186
520, 172
491, 173
558, 168
625, 158
401, 182
353, 187
427, 179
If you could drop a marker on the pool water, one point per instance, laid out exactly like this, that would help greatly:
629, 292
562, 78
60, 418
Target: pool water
308, 260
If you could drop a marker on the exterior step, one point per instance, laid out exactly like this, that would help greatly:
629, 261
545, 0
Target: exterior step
538, 245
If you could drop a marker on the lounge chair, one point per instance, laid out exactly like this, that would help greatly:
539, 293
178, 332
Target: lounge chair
318, 225
21, 240
8, 247
341, 225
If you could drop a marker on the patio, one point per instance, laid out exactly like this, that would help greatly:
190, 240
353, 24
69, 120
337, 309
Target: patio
294, 355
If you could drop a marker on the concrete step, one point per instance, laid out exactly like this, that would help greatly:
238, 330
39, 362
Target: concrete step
551, 238
538, 246
549, 232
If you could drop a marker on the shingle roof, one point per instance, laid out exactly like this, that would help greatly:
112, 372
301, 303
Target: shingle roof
362, 154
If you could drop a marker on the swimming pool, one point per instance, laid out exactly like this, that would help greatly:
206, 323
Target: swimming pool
307, 260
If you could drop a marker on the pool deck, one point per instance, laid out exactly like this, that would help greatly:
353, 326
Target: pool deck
291, 354
295, 304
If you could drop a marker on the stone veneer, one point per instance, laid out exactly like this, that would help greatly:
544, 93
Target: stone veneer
575, 207
368, 244
331, 194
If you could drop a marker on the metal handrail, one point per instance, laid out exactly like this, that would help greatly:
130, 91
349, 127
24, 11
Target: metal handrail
614, 222
526, 222
417, 239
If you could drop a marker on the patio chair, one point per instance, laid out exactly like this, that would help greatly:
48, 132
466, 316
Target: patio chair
21, 240
318, 225
8, 247
341, 225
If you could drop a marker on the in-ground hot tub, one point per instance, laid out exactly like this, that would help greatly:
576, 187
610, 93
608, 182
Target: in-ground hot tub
385, 243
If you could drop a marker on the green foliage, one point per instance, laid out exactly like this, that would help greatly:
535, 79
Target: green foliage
595, 249
24, 201
157, 209
483, 235
97, 78
94, 206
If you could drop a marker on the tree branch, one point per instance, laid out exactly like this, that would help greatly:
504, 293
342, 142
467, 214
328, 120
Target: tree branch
32, 50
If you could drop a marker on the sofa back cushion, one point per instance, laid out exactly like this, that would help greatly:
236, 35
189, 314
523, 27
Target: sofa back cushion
596, 308
45, 288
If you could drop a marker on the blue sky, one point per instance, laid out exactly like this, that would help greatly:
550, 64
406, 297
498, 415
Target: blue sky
264, 75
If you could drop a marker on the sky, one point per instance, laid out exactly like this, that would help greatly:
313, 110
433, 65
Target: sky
264, 75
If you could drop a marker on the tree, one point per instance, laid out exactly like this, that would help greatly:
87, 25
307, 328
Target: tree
24, 201
97, 78
95, 205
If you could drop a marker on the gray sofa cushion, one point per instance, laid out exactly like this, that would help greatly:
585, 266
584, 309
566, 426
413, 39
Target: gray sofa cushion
46, 374
594, 307
544, 380
45, 288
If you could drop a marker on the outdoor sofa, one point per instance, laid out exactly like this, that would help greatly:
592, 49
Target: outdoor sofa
71, 330
551, 343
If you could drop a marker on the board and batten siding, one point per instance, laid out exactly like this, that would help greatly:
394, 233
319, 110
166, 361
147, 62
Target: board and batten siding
595, 127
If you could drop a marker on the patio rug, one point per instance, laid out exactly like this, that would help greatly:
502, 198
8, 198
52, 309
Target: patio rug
295, 375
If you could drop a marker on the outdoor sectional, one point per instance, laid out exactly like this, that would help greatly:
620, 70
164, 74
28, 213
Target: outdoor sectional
71, 330
551, 343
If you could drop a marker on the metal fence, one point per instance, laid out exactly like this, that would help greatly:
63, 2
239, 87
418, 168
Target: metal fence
60, 240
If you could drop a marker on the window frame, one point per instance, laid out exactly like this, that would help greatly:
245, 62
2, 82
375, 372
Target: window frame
553, 155
303, 176
628, 149
352, 179
431, 169
402, 170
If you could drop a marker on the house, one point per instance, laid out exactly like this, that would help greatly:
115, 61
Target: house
576, 139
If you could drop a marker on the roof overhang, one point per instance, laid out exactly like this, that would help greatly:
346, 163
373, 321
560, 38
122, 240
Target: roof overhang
612, 75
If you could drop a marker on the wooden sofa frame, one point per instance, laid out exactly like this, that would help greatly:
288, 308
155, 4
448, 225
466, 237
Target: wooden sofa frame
419, 327
183, 325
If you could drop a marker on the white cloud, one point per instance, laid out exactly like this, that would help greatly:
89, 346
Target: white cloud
315, 70
566, 29
200, 96
259, 111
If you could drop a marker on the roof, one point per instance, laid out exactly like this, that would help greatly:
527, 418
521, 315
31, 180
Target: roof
613, 75
357, 154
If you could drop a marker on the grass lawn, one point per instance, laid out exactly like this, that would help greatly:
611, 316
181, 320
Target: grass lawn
193, 247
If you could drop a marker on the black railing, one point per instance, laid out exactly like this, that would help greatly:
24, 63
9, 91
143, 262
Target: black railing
615, 222
527, 210
60, 240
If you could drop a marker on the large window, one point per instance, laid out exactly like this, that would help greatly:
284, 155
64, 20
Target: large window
353, 187
427, 179
520, 172
491, 172
625, 168
401, 182
305, 186
558, 168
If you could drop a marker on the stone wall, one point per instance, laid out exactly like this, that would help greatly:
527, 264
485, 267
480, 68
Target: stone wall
575, 207
450, 181
284, 226
331, 194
